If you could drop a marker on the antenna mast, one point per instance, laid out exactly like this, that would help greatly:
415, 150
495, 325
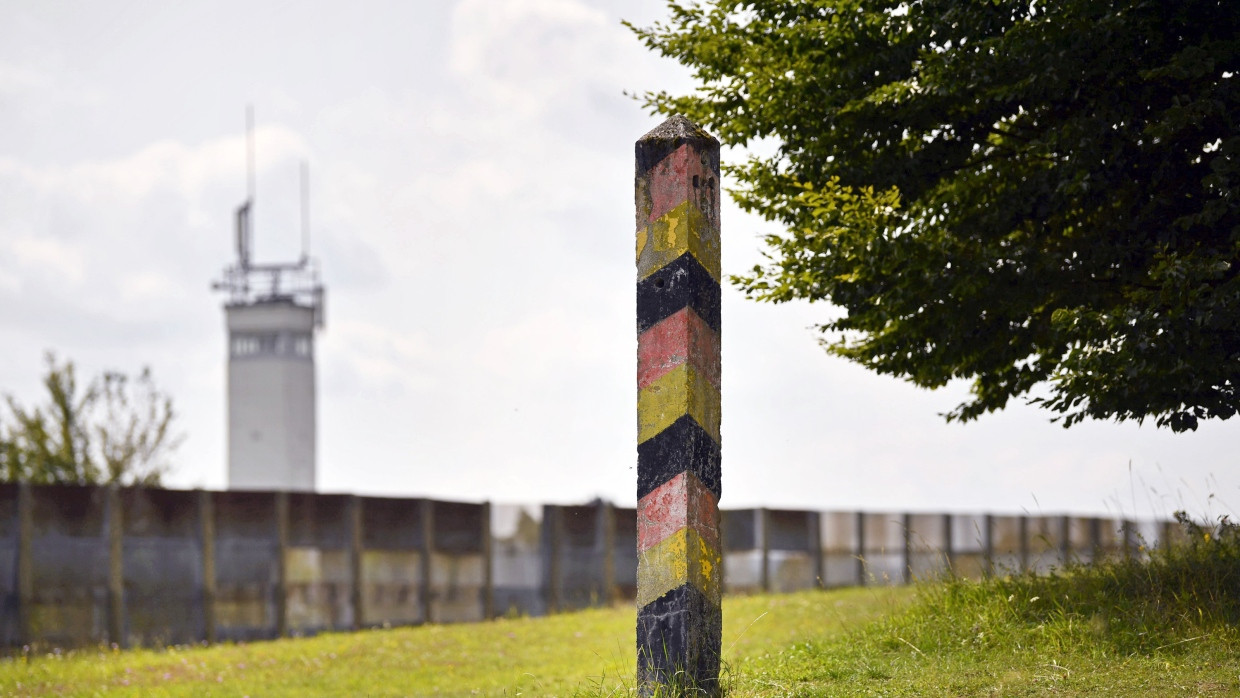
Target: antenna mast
247, 282
305, 212
249, 153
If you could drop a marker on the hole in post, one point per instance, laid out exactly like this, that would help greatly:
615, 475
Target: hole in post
695, 181
658, 283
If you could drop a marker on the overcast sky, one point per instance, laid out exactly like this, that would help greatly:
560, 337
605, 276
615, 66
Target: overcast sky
472, 207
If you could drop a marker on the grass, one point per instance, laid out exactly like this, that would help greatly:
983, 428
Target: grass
584, 653
1128, 627
1163, 626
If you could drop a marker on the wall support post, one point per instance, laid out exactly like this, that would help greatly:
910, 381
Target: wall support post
906, 553
206, 535
488, 565
356, 578
116, 572
606, 517
988, 544
815, 550
679, 586
426, 549
861, 549
25, 564
1024, 544
282, 526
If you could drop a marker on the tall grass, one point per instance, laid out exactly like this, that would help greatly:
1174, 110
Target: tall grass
1160, 622
1154, 600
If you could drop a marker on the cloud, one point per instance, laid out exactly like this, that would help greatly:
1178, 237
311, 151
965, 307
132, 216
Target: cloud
529, 54
17, 80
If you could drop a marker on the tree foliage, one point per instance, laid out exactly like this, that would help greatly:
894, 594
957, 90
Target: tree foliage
1040, 197
116, 429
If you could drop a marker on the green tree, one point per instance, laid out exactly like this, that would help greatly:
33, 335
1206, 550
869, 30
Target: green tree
115, 430
1040, 197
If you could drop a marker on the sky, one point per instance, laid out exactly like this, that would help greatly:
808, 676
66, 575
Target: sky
471, 179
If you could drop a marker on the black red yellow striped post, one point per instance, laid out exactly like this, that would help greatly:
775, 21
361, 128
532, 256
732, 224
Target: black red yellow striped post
679, 581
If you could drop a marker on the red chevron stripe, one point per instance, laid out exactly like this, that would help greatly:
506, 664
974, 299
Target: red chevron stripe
682, 502
679, 338
671, 181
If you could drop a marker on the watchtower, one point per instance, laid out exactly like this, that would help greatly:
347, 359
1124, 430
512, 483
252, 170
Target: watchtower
272, 313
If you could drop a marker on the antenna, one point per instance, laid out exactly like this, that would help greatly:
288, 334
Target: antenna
249, 152
245, 225
305, 212
248, 282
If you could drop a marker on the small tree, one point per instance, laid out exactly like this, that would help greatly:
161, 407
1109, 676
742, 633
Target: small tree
115, 430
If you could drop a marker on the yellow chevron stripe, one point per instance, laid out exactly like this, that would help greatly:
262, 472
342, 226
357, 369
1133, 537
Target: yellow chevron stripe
683, 390
680, 230
683, 558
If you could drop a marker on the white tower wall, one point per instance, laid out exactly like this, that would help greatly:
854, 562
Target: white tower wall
271, 396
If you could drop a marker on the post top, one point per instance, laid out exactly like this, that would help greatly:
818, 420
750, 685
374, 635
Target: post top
677, 128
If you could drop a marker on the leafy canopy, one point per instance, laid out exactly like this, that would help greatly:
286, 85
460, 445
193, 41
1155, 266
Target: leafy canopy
1029, 195
116, 430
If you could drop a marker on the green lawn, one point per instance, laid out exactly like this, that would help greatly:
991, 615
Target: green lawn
586, 653
1166, 627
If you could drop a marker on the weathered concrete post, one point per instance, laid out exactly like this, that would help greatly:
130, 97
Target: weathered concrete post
679, 622
488, 564
426, 550
116, 570
357, 540
206, 535
906, 569
25, 564
282, 526
815, 551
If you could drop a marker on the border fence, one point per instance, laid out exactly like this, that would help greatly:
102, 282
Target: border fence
82, 565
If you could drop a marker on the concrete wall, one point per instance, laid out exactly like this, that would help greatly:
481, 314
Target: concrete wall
85, 565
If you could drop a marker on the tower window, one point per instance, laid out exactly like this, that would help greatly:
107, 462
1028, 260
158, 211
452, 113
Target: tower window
256, 344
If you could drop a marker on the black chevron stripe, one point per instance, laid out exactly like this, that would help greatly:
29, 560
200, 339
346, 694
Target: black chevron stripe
682, 282
684, 446
681, 627
664, 139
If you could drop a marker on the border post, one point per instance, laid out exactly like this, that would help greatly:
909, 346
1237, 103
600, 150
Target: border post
679, 623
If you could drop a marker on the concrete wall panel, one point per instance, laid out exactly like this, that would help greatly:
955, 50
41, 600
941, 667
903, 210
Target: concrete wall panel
162, 566
391, 524
69, 554
516, 558
738, 529
247, 551
10, 632
789, 530
391, 587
